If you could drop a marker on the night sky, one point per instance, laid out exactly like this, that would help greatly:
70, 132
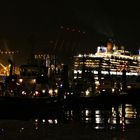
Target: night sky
67, 27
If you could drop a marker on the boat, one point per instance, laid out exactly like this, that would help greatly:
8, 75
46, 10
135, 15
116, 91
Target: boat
111, 70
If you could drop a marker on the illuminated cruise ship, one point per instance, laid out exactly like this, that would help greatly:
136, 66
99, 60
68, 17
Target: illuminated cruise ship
106, 65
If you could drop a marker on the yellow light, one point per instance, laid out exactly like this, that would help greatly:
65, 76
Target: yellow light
51, 92
33, 81
56, 90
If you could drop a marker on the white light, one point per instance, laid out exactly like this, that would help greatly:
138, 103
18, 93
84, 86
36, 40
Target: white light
36, 93
22, 128
86, 119
97, 112
87, 112
43, 91
43, 121
50, 121
114, 121
61, 85
23, 93
36, 120
20, 80
87, 92
98, 120
95, 72
131, 73
113, 72
97, 82
129, 87
77, 71
113, 90
79, 55
55, 121
85, 55
18, 84
104, 72
91, 55
65, 96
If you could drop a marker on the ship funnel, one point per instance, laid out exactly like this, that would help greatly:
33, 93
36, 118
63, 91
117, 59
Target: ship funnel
109, 46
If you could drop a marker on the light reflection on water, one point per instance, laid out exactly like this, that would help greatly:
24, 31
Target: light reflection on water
116, 122
111, 118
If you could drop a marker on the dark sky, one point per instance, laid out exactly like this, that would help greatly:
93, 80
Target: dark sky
40, 21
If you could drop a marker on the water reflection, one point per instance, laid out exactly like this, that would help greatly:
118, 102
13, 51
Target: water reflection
115, 117
86, 122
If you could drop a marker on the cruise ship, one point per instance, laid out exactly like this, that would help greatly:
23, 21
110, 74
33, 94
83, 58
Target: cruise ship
106, 67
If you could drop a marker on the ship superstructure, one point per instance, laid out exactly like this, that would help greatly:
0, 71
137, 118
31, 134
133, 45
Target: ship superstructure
107, 64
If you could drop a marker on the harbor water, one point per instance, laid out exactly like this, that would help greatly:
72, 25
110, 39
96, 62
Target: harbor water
116, 122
